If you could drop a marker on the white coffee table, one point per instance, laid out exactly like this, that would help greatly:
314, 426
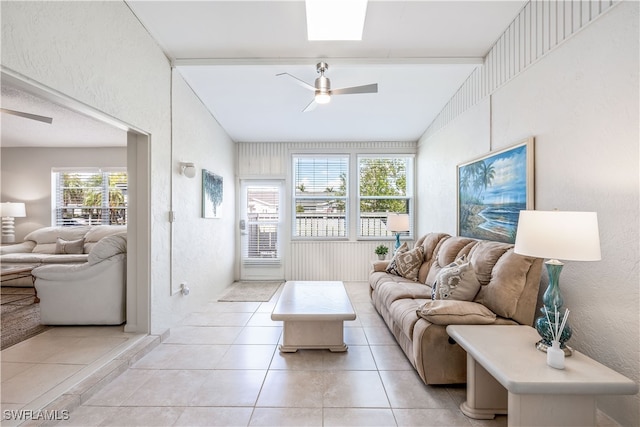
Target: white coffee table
313, 315
506, 374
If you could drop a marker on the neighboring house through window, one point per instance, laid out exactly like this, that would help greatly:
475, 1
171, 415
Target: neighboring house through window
322, 200
320, 192
89, 196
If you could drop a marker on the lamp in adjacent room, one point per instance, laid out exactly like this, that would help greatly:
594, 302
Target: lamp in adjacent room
571, 236
188, 169
9, 211
397, 223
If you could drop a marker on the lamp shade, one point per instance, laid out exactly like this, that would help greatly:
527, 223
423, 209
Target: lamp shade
397, 222
14, 210
571, 236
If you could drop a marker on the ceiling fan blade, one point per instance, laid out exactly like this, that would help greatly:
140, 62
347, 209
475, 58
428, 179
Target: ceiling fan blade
27, 115
372, 88
311, 106
297, 80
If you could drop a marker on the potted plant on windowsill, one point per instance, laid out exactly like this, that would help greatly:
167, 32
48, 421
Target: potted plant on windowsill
381, 251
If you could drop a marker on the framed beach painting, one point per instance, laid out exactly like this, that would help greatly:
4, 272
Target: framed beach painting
492, 190
212, 187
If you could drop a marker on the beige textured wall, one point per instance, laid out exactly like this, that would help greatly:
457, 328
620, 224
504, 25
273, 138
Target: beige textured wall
580, 102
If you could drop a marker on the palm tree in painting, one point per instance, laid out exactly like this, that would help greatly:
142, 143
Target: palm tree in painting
474, 180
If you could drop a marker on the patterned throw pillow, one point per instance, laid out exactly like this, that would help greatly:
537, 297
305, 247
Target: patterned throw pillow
459, 261
456, 282
69, 246
406, 263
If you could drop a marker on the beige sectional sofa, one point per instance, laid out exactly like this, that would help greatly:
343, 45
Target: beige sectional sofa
42, 247
79, 275
508, 293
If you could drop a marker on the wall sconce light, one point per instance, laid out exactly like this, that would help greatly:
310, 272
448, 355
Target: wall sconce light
188, 169
9, 211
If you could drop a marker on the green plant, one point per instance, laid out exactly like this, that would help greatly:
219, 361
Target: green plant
381, 250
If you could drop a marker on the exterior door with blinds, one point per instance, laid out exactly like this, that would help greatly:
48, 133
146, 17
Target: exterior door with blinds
261, 230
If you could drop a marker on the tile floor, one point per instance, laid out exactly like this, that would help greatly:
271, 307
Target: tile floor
221, 367
38, 370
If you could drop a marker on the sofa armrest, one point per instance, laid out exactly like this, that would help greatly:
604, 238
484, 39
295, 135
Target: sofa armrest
24, 247
455, 312
380, 266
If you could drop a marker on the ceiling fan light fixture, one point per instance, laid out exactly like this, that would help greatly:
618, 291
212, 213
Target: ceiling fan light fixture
322, 98
335, 19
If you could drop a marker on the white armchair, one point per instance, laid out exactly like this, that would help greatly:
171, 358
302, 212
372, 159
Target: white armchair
92, 293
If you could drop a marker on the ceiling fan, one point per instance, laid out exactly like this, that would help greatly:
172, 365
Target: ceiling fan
322, 88
27, 115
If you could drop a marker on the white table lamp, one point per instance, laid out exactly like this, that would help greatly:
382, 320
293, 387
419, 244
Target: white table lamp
9, 211
397, 223
572, 236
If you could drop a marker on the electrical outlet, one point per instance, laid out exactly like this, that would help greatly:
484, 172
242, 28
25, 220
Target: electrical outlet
184, 289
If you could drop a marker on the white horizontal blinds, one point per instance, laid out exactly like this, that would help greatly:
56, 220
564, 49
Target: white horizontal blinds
320, 192
385, 184
90, 197
263, 225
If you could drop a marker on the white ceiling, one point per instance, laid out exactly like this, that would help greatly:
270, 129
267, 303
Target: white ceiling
229, 52
68, 129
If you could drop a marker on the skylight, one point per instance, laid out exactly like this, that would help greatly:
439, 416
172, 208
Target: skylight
335, 19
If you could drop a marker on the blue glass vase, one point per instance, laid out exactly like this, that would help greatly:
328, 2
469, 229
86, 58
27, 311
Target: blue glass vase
552, 304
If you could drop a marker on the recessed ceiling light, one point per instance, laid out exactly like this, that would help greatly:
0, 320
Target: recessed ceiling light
335, 19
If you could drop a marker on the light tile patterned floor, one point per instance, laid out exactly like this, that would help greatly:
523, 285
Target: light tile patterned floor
221, 367
36, 371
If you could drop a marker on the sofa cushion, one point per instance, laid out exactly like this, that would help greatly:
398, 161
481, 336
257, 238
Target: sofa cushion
69, 246
456, 282
108, 247
388, 292
46, 237
404, 314
507, 278
377, 278
447, 252
406, 263
97, 232
453, 312
31, 258
429, 243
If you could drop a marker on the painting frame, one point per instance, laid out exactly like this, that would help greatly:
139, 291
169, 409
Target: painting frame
212, 194
506, 176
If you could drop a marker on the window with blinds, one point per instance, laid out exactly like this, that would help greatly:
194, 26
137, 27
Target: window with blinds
89, 197
385, 185
320, 196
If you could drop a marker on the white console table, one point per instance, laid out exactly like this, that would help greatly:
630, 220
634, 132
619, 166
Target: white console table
506, 374
313, 315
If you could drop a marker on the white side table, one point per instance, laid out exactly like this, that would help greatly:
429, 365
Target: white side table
506, 374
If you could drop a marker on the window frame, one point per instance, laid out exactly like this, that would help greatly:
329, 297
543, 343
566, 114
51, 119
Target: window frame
105, 208
409, 194
352, 197
346, 157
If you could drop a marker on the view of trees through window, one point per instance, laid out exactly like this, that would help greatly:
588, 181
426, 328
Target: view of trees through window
383, 188
90, 198
322, 198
